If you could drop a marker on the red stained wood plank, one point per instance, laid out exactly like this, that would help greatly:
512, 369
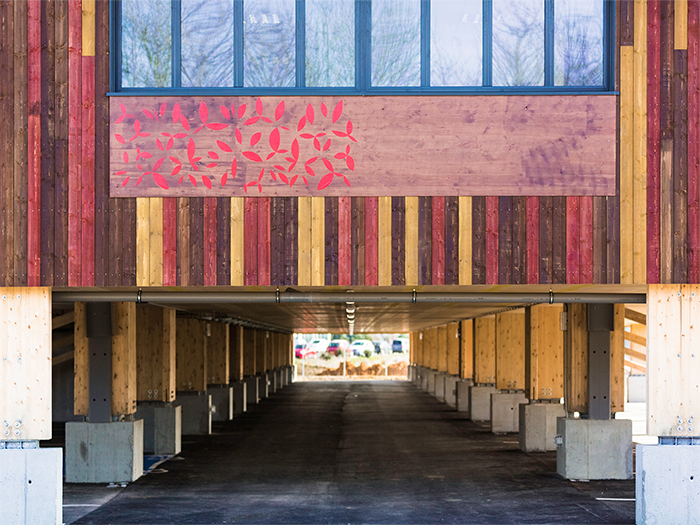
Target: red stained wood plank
291, 239
183, 241
87, 162
545, 237
371, 241
654, 140
331, 241
74, 137
20, 118
425, 240
533, 240
358, 241
344, 241
680, 166
573, 236
250, 240
61, 162
6, 144
586, 240
34, 144
505, 240
263, 241
169, 241
438, 240
693, 142
210, 242
478, 240
451, 240
277, 240
492, 240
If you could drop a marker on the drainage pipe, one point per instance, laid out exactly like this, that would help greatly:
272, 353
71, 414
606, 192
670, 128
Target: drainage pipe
287, 297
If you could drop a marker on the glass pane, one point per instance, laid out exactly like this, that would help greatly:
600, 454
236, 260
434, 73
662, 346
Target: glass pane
578, 43
455, 42
395, 43
207, 43
146, 43
518, 42
269, 43
330, 43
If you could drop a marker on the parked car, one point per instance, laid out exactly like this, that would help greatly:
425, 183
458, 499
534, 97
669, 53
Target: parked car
362, 346
318, 345
300, 350
381, 347
400, 346
337, 346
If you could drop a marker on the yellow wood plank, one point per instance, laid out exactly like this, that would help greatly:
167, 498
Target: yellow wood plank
510, 349
467, 349
465, 240
88, 27
143, 237
384, 229
627, 216
318, 241
304, 241
155, 241
411, 241
680, 22
81, 371
617, 360
666, 184
485, 350
237, 242
640, 142
123, 358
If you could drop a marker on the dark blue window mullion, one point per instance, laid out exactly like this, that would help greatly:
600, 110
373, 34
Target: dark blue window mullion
487, 43
301, 43
238, 43
548, 42
115, 46
363, 42
425, 43
176, 42
609, 45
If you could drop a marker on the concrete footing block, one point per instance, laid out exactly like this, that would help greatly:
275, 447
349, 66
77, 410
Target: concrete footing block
463, 389
440, 386
252, 390
538, 426
451, 390
423, 385
667, 485
162, 427
222, 401
480, 402
431, 374
505, 411
31, 486
409, 372
264, 385
196, 412
104, 452
239, 397
593, 449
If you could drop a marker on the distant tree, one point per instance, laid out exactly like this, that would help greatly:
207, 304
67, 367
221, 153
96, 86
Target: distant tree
579, 43
269, 43
518, 44
330, 43
395, 43
146, 43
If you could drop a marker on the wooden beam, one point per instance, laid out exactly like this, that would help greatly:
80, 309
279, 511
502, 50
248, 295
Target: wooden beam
636, 339
637, 355
637, 317
635, 366
61, 341
67, 356
62, 320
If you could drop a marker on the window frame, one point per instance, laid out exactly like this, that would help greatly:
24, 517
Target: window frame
363, 65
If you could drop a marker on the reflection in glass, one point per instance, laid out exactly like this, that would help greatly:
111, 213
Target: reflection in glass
518, 42
146, 43
578, 42
330, 43
207, 43
395, 43
269, 43
455, 42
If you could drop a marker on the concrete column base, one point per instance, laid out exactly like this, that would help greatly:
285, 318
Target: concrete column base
505, 412
432, 375
423, 383
292, 374
667, 484
410, 372
31, 485
239, 397
593, 449
264, 385
196, 412
464, 387
538, 426
451, 390
252, 390
480, 402
104, 452
222, 400
162, 427
440, 386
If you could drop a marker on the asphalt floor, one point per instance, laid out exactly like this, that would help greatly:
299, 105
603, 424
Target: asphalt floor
354, 452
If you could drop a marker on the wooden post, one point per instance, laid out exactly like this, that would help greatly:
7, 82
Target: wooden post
452, 344
466, 341
236, 352
617, 360
544, 352
191, 355
155, 353
25, 363
417, 348
261, 342
510, 350
270, 350
249, 351
576, 371
441, 348
485, 350
432, 342
218, 354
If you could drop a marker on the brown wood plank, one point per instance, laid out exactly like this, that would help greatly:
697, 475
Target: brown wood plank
479, 240
505, 240
358, 241
20, 118
223, 241
331, 241
277, 240
680, 166
438, 240
653, 142
546, 238
559, 240
693, 145
250, 214
599, 240
519, 240
425, 239
451, 240
129, 242
533, 239
196, 241
626, 22
398, 241
291, 242
209, 241
667, 64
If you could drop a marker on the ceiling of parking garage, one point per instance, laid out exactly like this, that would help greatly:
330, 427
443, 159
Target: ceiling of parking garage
369, 317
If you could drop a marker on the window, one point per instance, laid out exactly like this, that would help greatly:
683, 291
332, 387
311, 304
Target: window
362, 46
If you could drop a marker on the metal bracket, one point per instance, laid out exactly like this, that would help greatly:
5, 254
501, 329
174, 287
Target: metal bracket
559, 440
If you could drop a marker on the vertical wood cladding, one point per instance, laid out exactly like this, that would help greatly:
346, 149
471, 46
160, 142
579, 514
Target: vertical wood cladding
58, 227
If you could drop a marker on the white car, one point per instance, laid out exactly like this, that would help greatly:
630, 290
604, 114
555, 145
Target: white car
362, 346
318, 345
